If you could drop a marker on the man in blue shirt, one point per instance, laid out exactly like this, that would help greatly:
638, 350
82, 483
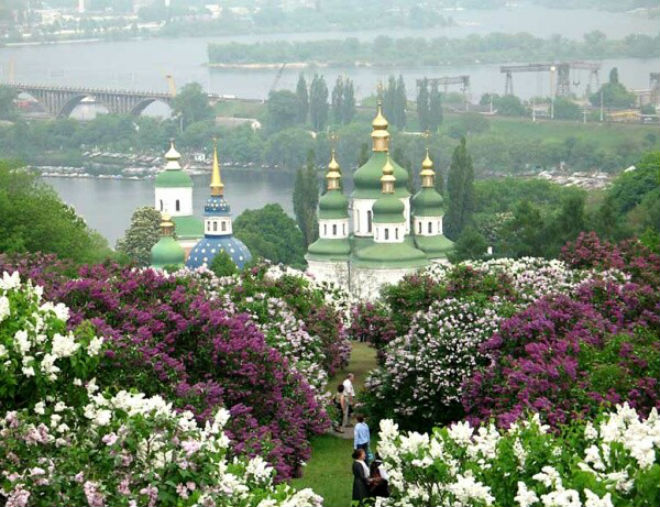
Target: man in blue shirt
361, 436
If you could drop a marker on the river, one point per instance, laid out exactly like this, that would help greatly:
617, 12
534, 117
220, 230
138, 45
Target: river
107, 204
142, 64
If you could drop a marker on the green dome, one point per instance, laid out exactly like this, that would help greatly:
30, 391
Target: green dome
177, 178
329, 249
427, 203
390, 255
435, 247
167, 252
188, 227
333, 205
388, 210
367, 178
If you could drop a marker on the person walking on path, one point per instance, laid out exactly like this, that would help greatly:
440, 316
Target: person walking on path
361, 479
349, 395
340, 403
362, 437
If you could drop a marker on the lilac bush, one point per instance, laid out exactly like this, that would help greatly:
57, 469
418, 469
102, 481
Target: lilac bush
563, 357
166, 337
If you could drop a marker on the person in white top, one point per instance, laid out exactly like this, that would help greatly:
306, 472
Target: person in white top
349, 395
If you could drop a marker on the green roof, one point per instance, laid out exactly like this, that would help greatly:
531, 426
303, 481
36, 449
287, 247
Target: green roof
390, 255
435, 247
329, 249
173, 179
367, 178
188, 227
388, 210
167, 252
427, 203
333, 205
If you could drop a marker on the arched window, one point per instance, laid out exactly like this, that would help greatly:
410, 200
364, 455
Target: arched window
430, 227
208, 226
224, 226
161, 205
419, 227
387, 233
325, 229
215, 226
334, 229
343, 229
369, 220
177, 205
396, 233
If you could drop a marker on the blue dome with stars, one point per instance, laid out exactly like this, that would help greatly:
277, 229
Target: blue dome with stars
210, 246
216, 206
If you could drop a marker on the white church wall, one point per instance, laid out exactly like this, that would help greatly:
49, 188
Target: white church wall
165, 200
334, 272
366, 283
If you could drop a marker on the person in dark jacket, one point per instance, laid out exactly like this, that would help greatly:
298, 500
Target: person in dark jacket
360, 477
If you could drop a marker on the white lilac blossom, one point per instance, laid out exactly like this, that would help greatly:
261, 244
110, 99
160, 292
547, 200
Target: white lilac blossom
461, 465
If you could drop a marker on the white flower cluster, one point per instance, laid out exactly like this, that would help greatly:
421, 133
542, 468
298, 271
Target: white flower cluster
460, 466
425, 368
40, 347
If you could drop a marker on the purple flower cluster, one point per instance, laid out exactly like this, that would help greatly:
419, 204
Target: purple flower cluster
563, 357
165, 337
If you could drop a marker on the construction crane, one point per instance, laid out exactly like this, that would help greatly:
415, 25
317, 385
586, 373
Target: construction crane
278, 76
562, 69
170, 84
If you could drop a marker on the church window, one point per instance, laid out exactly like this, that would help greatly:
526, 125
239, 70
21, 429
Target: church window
430, 227
419, 227
387, 233
224, 226
161, 204
369, 220
208, 226
325, 229
396, 233
215, 226
334, 229
177, 204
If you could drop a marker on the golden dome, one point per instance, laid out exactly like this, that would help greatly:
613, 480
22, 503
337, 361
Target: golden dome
427, 173
380, 122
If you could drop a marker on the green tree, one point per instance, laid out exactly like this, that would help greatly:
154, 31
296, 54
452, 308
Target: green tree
288, 148
337, 101
223, 265
302, 100
271, 234
34, 219
192, 103
566, 109
7, 106
460, 187
318, 103
306, 200
423, 105
435, 108
509, 105
348, 102
142, 234
470, 245
614, 94
523, 236
400, 104
283, 110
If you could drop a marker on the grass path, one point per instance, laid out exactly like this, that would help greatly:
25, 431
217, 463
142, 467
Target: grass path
328, 472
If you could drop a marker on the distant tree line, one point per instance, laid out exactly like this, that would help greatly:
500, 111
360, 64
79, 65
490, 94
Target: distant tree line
407, 51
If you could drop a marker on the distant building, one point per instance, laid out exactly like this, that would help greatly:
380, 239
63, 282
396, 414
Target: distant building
218, 233
174, 195
384, 237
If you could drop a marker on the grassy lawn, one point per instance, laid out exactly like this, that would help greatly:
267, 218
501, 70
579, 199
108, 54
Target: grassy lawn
328, 472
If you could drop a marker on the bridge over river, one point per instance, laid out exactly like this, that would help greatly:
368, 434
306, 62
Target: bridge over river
60, 101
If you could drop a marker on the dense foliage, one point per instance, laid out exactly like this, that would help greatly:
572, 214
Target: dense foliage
70, 438
500, 338
188, 339
270, 233
614, 461
384, 50
35, 219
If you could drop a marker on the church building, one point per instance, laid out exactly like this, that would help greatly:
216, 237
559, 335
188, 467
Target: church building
382, 234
